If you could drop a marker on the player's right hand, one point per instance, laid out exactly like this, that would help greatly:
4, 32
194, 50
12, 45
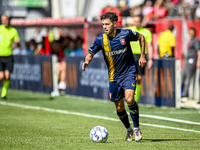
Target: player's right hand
142, 62
84, 65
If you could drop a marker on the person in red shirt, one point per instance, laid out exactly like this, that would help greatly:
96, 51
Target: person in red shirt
110, 8
158, 11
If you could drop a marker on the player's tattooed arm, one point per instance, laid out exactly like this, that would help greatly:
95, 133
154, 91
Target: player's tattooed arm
142, 44
142, 60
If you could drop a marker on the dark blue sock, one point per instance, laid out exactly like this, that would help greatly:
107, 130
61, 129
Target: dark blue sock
134, 112
123, 116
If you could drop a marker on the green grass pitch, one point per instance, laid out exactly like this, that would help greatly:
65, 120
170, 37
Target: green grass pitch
65, 123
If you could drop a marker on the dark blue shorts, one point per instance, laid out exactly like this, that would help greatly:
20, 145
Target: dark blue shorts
117, 88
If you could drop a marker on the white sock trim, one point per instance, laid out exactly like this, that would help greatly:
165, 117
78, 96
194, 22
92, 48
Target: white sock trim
136, 128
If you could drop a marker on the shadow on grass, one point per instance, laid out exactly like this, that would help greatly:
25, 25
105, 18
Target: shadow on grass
164, 140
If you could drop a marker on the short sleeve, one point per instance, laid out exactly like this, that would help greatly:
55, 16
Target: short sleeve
172, 41
197, 45
148, 37
133, 35
16, 36
95, 47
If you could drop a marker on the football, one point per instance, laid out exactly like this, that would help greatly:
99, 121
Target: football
99, 134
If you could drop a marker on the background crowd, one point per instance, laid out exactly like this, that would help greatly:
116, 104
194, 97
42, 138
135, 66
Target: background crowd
65, 44
63, 41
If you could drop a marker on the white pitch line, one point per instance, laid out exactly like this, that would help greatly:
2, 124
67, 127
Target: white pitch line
172, 112
169, 119
88, 115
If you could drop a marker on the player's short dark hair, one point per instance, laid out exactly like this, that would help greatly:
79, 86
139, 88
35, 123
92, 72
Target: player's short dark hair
109, 15
171, 27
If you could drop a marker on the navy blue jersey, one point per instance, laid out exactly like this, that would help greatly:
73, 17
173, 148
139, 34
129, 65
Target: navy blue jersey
117, 52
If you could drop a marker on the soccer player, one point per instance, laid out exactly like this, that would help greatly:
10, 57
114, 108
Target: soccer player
115, 46
135, 46
8, 35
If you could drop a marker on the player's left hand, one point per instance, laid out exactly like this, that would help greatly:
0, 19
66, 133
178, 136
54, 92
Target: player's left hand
142, 62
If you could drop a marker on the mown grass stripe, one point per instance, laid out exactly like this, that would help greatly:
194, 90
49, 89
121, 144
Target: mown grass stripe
93, 116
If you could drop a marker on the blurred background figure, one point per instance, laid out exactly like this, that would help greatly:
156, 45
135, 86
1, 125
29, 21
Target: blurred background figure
16, 49
147, 8
31, 47
159, 11
124, 9
110, 8
197, 11
8, 36
136, 10
26, 50
78, 48
65, 45
39, 33
128, 22
166, 43
70, 47
192, 62
135, 46
56, 48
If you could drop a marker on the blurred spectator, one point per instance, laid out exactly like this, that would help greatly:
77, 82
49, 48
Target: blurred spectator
70, 47
62, 32
110, 8
192, 62
128, 22
159, 11
56, 48
79, 50
166, 43
197, 10
39, 34
136, 10
175, 2
33, 47
61, 66
50, 33
27, 50
187, 9
40, 48
147, 8
135, 46
170, 6
30, 48
124, 9
8, 36
65, 45
16, 49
